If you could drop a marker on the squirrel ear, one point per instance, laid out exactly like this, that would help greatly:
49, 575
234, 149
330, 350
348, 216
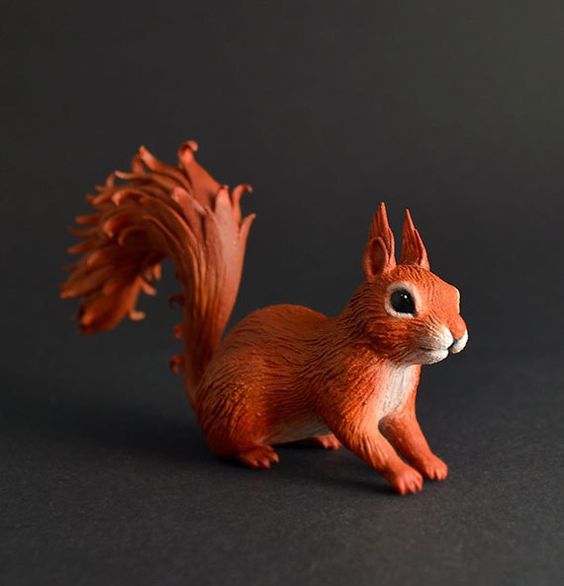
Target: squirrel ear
379, 253
413, 250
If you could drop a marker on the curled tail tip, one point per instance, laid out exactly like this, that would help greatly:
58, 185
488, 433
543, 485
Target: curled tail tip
176, 364
246, 226
240, 190
189, 144
249, 219
244, 188
187, 149
86, 220
136, 315
65, 289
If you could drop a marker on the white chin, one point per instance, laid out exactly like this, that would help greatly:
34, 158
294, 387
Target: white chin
431, 356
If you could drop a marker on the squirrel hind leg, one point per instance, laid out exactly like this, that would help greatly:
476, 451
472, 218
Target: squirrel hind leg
260, 457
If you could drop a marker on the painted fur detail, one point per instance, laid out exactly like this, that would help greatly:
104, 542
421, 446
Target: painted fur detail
284, 373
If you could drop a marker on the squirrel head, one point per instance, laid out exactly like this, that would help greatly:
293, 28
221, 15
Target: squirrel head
408, 313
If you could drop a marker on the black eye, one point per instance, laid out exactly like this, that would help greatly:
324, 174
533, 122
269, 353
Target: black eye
402, 301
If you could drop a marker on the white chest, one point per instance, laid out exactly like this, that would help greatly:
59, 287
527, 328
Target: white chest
398, 383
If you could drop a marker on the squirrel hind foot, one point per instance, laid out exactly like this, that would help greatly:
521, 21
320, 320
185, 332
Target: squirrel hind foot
328, 441
259, 458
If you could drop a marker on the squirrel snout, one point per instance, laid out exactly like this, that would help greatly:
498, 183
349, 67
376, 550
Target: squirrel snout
459, 333
459, 344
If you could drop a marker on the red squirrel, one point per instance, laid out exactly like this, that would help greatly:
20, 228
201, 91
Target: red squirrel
284, 373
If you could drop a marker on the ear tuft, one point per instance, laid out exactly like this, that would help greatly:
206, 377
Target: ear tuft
413, 250
379, 254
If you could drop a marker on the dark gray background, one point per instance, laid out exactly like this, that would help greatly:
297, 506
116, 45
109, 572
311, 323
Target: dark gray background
454, 109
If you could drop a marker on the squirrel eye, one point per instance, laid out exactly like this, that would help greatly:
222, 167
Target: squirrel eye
402, 301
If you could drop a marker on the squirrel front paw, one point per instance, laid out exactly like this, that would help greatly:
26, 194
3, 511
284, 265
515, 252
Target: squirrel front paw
433, 468
406, 481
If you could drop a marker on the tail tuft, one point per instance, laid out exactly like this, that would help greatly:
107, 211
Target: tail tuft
149, 213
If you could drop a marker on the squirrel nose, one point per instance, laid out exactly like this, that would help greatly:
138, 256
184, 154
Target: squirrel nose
459, 344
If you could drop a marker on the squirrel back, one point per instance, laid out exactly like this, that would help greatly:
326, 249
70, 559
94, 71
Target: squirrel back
140, 218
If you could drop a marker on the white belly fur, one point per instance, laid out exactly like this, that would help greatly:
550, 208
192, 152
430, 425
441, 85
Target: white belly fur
299, 431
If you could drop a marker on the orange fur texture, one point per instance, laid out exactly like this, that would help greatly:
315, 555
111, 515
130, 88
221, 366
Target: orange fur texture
284, 373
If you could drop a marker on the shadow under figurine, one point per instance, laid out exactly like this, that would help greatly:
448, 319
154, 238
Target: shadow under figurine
286, 372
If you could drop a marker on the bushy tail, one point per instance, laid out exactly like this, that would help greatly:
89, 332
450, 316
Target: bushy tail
141, 217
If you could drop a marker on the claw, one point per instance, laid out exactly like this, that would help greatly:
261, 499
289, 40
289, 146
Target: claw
407, 481
261, 457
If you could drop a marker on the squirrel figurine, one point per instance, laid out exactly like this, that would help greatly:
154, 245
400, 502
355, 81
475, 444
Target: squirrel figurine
284, 373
